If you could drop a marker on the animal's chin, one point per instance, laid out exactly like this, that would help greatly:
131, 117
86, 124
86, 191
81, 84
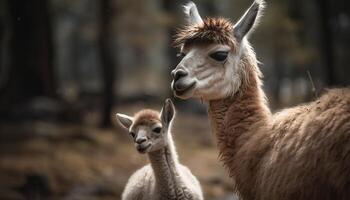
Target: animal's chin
182, 96
187, 93
143, 148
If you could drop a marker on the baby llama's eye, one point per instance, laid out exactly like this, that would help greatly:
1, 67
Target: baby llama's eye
219, 56
132, 134
157, 129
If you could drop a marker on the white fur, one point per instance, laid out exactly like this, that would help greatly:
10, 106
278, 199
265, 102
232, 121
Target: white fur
124, 121
142, 185
215, 80
261, 6
165, 177
192, 14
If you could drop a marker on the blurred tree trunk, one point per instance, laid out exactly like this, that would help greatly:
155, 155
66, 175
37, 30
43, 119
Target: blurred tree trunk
211, 8
170, 9
106, 61
2, 33
327, 40
31, 67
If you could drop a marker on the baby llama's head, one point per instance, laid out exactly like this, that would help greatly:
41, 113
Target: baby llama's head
149, 129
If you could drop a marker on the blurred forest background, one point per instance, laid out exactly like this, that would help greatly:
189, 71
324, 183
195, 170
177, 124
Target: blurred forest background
66, 67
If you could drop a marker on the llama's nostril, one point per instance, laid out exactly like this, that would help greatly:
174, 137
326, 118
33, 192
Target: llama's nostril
173, 73
140, 140
179, 73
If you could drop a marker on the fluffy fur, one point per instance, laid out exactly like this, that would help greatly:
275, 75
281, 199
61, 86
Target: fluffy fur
212, 30
164, 177
297, 153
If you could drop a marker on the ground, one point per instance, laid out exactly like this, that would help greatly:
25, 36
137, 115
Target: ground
46, 160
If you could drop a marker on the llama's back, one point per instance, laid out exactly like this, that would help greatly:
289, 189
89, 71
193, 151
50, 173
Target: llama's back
310, 155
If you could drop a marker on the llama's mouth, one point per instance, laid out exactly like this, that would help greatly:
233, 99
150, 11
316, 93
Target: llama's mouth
180, 90
142, 148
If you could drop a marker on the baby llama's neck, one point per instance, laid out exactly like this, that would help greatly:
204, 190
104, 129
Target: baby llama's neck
238, 123
165, 166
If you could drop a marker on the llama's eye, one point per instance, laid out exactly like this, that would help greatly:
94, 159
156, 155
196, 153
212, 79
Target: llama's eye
219, 56
157, 129
180, 55
132, 134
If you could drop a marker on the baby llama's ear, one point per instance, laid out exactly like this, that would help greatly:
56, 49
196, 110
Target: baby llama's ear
192, 14
125, 121
249, 20
168, 112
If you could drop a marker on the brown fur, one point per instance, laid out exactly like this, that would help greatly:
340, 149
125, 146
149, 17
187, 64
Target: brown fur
146, 117
211, 31
298, 153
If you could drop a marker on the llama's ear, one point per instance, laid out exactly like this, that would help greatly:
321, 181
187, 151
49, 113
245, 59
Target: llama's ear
168, 112
125, 121
249, 20
192, 14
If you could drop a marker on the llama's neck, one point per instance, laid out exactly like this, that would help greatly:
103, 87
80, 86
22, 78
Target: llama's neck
239, 119
165, 166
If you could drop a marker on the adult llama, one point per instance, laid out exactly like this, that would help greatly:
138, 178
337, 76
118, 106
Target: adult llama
298, 153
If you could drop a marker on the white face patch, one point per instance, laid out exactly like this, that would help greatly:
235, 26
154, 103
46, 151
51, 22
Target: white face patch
213, 79
152, 140
209, 77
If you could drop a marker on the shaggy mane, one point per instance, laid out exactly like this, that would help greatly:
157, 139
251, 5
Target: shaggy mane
212, 30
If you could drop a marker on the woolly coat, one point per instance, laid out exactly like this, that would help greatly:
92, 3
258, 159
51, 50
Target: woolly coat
142, 186
297, 153
164, 178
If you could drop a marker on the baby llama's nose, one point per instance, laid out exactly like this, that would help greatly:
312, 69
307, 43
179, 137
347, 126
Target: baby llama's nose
140, 140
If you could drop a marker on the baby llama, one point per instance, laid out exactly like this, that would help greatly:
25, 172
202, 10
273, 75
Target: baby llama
165, 178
